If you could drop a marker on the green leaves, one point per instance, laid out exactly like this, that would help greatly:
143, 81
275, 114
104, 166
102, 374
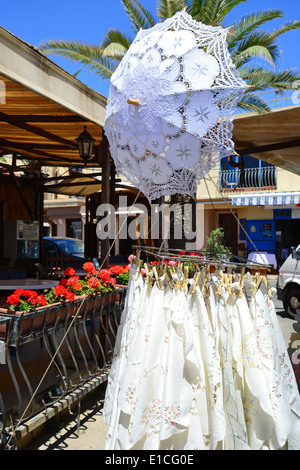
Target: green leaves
89, 56
138, 15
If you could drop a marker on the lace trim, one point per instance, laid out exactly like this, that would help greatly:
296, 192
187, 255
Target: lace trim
188, 90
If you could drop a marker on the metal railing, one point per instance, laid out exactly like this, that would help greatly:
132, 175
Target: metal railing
255, 179
51, 358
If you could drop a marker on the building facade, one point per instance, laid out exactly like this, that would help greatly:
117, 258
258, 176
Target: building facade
258, 207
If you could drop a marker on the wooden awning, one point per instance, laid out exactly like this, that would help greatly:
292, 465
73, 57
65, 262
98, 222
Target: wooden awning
273, 137
80, 186
43, 109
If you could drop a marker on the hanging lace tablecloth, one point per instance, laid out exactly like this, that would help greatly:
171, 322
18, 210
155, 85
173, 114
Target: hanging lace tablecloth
193, 371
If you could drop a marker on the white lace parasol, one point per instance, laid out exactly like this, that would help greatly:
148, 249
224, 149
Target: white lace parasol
171, 106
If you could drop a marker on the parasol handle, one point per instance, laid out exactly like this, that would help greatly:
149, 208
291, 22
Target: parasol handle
134, 102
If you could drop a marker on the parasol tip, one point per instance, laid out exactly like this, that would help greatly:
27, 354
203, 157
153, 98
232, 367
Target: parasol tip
134, 102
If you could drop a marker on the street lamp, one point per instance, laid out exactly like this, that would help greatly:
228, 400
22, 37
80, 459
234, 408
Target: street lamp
85, 144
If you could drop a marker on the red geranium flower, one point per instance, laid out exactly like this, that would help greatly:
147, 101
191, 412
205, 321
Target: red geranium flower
90, 268
104, 275
60, 290
69, 271
70, 295
115, 269
72, 280
93, 282
13, 299
77, 286
41, 300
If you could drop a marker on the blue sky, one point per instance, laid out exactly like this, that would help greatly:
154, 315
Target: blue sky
35, 21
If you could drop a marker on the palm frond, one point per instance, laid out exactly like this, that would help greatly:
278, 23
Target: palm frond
228, 6
136, 15
257, 44
89, 56
213, 12
115, 44
253, 103
290, 26
249, 23
261, 79
150, 18
167, 8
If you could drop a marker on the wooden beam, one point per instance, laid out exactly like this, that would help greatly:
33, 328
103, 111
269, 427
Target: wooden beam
77, 175
269, 148
14, 147
17, 118
38, 131
64, 185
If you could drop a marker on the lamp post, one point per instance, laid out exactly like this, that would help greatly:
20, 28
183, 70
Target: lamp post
85, 144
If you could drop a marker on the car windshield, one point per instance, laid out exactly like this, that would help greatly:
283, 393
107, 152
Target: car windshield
70, 246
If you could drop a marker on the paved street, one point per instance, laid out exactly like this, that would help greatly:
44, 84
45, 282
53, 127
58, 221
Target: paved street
92, 430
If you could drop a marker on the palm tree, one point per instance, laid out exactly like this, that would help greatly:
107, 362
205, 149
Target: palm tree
254, 51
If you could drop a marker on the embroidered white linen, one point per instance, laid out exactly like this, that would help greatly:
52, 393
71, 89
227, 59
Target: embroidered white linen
192, 372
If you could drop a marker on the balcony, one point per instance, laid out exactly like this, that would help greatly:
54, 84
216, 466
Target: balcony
250, 179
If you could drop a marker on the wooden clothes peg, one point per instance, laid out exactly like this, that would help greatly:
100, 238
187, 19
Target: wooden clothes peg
184, 282
257, 285
221, 283
169, 277
269, 290
138, 268
196, 280
157, 277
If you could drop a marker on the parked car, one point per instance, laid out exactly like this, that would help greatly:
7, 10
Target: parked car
288, 284
67, 246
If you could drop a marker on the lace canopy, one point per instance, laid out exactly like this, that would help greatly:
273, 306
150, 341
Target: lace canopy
183, 90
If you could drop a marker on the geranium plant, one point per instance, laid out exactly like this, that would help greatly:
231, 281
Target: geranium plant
59, 294
93, 282
69, 286
120, 273
25, 300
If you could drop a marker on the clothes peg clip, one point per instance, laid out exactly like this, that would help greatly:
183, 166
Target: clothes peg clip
206, 291
228, 281
185, 277
257, 285
156, 277
168, 277
196, 280
242, 279
138, 269
269, 290
221, 282
148, 274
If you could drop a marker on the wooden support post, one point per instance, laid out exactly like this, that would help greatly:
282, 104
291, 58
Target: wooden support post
105, 194
22, 197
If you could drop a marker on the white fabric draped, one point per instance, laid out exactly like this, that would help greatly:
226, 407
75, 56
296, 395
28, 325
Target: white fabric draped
193, 371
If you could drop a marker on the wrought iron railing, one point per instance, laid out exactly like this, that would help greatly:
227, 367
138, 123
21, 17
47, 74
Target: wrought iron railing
53, 357
248, 179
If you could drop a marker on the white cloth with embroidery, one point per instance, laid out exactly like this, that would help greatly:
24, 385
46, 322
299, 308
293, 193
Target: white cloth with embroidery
194, 372
188, 89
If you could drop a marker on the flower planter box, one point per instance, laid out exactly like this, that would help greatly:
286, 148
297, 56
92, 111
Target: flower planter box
38, 318
103, 300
